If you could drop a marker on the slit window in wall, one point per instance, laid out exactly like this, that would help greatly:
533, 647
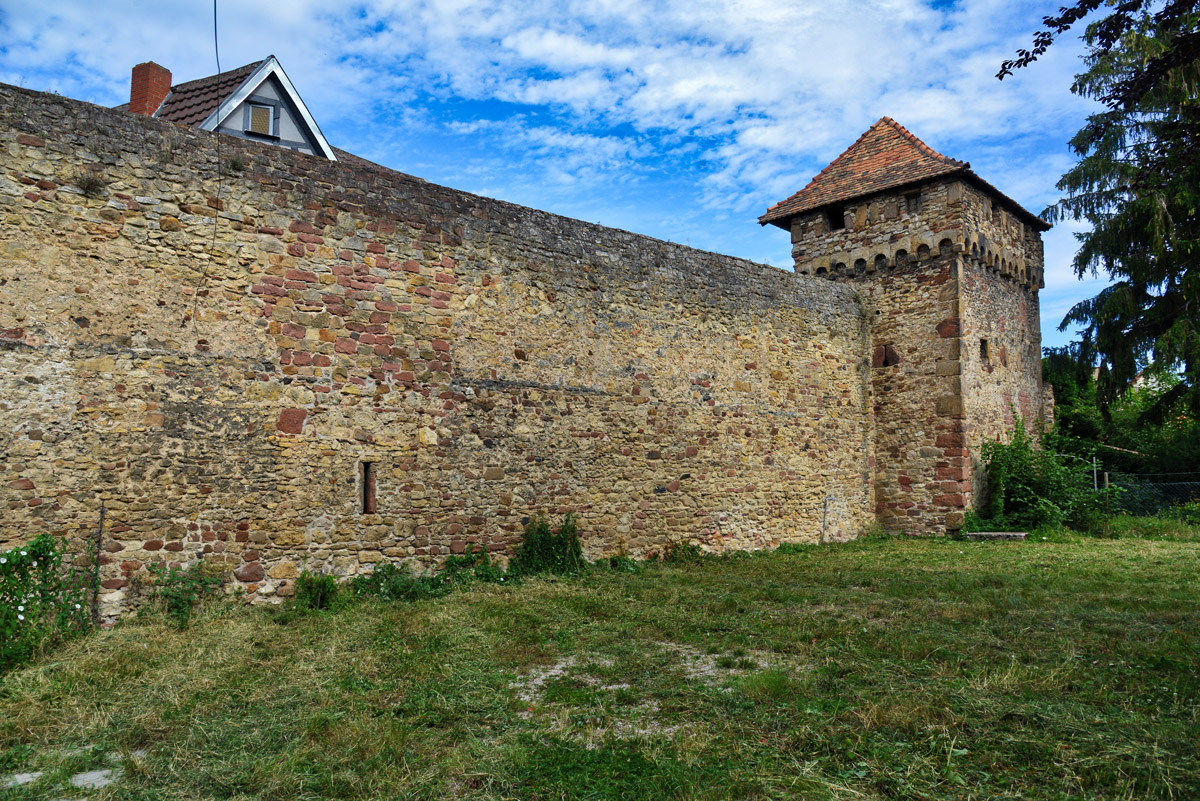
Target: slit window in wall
837, 217
984, 354
368, 488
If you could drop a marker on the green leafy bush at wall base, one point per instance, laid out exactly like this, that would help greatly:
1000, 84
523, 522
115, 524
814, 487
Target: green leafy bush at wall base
1028, 486
40, 604
391, 582
315, 591
178, 590
547, 551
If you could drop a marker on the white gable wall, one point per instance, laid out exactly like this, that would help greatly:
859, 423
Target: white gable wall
289, 131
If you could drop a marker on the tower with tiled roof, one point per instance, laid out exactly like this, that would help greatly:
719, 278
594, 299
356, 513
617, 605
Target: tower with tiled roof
949, 270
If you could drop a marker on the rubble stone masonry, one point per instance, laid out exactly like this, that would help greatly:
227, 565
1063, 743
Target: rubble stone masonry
949, 275
267, 361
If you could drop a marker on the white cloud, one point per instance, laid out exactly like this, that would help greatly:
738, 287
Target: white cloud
725, 106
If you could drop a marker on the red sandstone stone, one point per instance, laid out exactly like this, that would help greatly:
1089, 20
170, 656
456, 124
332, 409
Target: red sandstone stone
291, 421
250, 571
950, 327
152, 545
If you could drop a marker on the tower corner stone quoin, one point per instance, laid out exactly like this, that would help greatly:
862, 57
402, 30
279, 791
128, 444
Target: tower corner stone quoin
329, 365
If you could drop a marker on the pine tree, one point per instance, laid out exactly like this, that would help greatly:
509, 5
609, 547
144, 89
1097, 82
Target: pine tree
1138, 184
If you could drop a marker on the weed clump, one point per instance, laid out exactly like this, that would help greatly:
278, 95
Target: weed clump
623, 563
177, 591
547, 551
683, 553
89, 182
390, 582
315, 591
39, 602
1030, 485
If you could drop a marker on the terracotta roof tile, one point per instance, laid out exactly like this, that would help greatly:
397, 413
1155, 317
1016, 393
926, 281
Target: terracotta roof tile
191, 103
885, 157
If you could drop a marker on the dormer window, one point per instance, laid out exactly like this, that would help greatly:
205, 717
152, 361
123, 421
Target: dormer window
260, 120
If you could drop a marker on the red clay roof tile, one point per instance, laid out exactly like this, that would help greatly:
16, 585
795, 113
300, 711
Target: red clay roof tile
886, 157
191, 103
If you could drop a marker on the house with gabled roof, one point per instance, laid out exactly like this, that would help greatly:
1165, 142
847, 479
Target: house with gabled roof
257, 101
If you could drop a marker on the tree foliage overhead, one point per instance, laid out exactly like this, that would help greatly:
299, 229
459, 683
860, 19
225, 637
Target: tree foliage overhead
1138, 184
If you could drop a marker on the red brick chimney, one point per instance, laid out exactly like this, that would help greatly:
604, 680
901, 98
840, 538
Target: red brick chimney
149, 88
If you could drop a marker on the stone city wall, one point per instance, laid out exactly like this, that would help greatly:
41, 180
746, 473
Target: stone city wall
293, 363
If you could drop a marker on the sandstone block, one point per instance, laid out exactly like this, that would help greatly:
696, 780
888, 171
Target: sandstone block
291, 421
250, 571
949, 405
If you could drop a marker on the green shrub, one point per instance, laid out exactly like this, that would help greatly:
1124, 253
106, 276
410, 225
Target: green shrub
1028, 486
683, 553
474, 565
547, 551
178, 590
390, 582
623, 563
40, 603
315, 591
1188, 512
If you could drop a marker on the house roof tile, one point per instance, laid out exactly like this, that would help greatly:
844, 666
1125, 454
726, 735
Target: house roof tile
886, 156
191, 103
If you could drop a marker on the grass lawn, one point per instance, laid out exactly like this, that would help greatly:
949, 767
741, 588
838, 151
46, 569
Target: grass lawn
918, 669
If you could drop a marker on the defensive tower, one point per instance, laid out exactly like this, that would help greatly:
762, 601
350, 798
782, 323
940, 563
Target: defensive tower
949, 269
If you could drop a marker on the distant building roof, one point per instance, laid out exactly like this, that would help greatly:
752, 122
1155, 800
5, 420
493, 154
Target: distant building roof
209, 103
194, 102
887, 156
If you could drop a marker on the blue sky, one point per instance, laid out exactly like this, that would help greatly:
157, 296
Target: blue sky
680, 119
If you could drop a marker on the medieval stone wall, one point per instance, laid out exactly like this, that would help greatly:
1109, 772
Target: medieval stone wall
1001, 357
268, 361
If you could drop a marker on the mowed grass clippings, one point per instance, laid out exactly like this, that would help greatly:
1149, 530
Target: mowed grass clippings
920, 669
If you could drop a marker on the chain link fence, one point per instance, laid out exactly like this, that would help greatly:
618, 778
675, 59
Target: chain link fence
1150, 493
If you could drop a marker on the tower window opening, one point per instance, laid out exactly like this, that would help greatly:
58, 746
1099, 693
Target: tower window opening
984, 354
837, 217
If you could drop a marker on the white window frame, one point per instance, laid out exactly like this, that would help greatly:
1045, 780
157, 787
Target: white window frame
272, 109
